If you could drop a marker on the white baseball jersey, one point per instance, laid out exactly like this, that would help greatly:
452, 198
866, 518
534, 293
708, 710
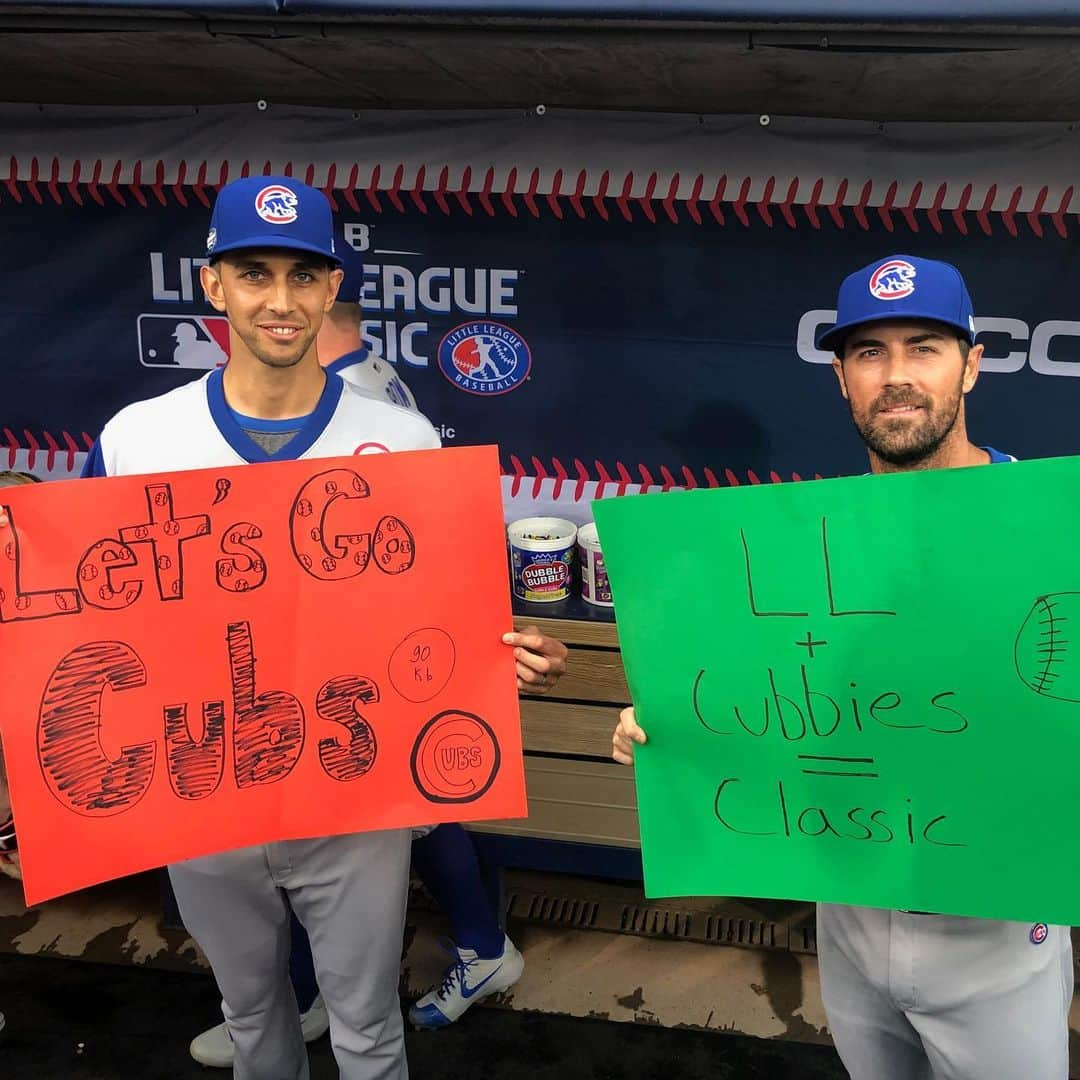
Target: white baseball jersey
366, 371
193, 427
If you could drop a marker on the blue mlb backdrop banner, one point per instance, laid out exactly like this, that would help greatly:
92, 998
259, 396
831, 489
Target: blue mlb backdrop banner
622, 339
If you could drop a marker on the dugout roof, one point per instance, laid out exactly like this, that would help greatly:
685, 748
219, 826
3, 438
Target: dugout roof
967, 60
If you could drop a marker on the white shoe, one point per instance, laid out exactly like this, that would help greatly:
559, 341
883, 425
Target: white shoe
468, 980
214, 1047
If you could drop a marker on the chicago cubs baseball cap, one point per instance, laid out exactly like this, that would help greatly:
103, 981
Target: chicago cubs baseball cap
271, 212
901, 287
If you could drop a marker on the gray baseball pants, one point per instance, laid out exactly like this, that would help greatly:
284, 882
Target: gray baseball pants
350, 894
937, 997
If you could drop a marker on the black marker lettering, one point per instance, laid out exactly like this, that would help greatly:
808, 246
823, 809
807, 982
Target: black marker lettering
808, 694
268, 730
243, 567
874, 819
339, 702
935, 702
778, 698
196, 768
166, 536
940, 843
885, 703
826, 825
76, 768
15, 604
695, 697
94, 576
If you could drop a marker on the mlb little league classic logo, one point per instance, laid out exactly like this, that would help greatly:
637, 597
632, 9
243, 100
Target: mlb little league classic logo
485, 358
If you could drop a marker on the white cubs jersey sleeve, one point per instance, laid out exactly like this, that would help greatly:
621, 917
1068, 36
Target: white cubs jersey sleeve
368, 372
192, 427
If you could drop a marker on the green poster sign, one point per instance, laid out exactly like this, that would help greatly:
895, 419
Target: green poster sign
861, 691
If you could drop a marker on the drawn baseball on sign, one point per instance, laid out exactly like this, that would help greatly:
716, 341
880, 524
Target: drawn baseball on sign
421, 665
1047, 653
455, 758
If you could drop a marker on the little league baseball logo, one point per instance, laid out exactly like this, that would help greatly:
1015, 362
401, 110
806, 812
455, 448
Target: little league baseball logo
276, 204
484, 358
893, 280
1039, 933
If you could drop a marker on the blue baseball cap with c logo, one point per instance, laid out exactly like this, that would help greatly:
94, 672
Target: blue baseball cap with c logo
901, 287
271, 212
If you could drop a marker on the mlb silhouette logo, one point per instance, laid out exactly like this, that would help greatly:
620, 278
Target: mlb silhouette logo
276, 204
191, 342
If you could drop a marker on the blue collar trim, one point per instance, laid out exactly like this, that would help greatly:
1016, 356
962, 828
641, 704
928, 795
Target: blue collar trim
311, 426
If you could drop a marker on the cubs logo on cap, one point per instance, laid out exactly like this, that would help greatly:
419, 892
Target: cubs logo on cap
893, 280
902, 288
277, 204
271, 212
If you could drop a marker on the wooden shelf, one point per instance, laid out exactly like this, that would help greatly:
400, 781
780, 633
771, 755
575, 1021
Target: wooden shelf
603, 635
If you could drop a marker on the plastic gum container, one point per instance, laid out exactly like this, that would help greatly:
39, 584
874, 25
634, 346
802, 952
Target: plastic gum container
595, 587
541, 558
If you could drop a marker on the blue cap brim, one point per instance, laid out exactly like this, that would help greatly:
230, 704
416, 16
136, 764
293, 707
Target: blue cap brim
272, 241
834, 337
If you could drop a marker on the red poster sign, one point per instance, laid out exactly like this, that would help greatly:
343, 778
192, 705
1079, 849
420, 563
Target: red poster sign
198, 661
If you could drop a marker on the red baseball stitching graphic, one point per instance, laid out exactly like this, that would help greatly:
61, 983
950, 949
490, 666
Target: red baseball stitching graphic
619, 477
30, 443
602, 477
802, 194
517, 197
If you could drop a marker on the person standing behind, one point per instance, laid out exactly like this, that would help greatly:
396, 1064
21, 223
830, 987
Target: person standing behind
342, 351
914, 995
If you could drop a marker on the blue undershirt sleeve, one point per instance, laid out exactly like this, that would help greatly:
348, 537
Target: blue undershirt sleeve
94, 465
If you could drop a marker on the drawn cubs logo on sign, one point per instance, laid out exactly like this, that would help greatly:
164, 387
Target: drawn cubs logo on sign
455, 758
1039, 933
893, 280
276, 204
485, 358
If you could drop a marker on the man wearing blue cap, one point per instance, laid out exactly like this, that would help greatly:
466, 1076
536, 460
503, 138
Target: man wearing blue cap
484, 959
274, 273
913, 995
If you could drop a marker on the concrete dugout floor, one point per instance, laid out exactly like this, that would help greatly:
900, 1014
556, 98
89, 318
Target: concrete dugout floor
77, 1021
97, 969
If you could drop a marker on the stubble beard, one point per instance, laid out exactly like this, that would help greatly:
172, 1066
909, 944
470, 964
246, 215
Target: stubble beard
901, 443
